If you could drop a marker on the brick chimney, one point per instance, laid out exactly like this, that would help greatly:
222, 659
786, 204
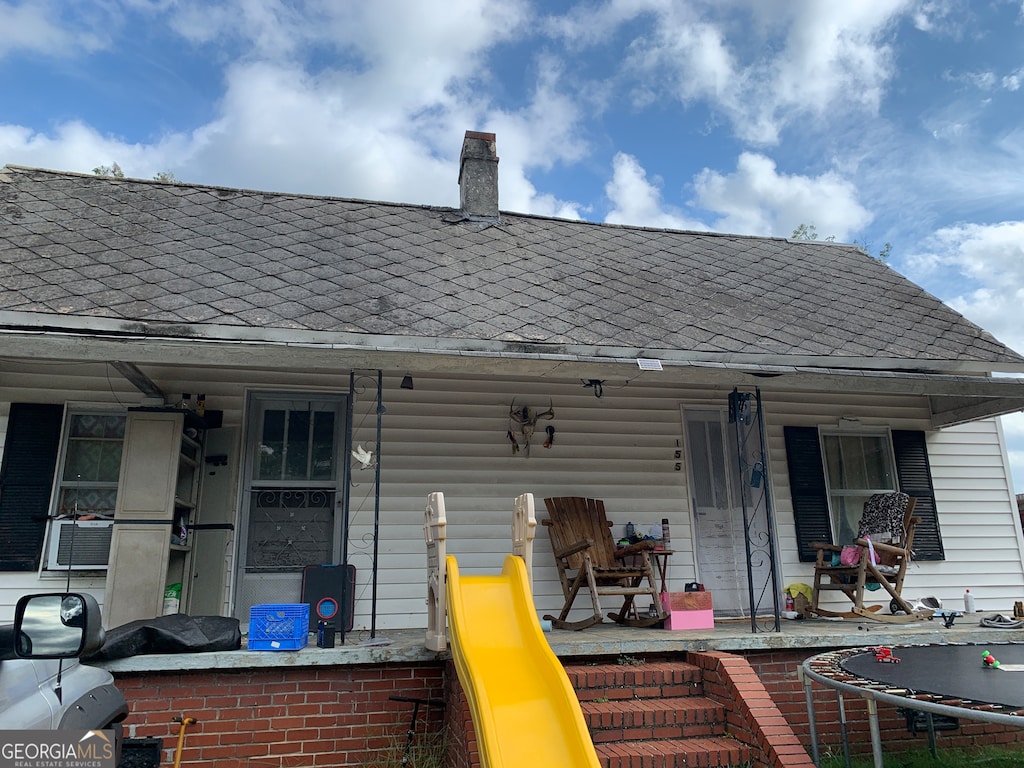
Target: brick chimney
478, 175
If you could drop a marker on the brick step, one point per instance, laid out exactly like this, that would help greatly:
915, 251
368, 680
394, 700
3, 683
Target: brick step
718, 752
654, 715
635, 681
645, 719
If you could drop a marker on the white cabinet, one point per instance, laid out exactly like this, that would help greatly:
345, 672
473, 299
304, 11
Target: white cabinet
156, 500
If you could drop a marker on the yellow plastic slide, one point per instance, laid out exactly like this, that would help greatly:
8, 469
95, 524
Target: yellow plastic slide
524, 709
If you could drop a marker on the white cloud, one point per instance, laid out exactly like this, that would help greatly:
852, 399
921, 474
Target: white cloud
40, 28
543, 134
593, 23
270, 28
988, 261
310, 135
987, 79
1013, 427
74, 146
938, 17
794, 60
1013, 432
637, 201
386, 123
757, 199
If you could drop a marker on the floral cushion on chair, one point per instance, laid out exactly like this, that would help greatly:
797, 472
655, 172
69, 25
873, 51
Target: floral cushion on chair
883, 518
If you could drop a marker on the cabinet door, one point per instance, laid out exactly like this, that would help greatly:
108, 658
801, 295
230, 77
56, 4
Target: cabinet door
140, 546
149, 468
213, 534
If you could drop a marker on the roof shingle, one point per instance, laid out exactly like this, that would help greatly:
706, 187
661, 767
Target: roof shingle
176, 253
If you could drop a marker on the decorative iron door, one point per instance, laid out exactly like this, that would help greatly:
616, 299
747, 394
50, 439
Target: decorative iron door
717, 512
733, 528
746, 416
294, 477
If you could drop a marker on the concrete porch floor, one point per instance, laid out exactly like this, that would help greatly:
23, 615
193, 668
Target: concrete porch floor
608, 639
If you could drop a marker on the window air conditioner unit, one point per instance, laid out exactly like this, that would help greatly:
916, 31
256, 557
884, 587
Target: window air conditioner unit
85, 546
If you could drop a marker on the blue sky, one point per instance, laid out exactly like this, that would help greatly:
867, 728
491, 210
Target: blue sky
877, 121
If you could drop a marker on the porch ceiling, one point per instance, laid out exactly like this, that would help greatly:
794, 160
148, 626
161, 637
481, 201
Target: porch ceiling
953, 399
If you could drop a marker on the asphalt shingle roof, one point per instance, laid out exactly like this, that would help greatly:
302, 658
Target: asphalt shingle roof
135, 250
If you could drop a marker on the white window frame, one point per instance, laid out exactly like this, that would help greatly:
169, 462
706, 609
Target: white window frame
58, 519
839, 511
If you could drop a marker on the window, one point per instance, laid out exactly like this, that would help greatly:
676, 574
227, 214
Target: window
857, 465
854, 467
296, 444
90, 466
55, 467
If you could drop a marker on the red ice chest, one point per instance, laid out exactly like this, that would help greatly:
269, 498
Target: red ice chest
688, 610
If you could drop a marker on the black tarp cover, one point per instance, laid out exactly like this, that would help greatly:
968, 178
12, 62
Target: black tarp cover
176, 633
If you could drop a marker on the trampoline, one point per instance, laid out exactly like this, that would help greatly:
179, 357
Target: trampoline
948, 680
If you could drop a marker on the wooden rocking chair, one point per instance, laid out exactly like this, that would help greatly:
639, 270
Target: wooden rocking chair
888, 513
587, 557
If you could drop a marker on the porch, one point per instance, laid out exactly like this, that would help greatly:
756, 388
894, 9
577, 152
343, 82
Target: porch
607, 639
337, 706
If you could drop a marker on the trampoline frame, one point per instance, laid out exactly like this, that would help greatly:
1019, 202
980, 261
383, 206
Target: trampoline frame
817, 669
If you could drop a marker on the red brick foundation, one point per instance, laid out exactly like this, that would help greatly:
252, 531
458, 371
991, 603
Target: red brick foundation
283, 717
286, 717
754, 718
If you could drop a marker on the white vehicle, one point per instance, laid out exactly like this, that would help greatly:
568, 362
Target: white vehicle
42, 684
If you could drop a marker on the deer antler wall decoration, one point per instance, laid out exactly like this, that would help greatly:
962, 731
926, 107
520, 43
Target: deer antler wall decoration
527, 421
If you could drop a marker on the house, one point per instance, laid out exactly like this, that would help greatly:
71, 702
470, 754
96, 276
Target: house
224, 386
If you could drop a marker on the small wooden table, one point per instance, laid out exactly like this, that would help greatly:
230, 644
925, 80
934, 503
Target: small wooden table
660, 558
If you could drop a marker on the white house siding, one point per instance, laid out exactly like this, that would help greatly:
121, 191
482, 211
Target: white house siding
449, 434
973, 496
978, 514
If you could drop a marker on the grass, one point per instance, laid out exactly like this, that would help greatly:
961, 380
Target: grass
428, 750
986, 757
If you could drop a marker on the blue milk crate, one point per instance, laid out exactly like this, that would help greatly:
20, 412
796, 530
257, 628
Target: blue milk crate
278, 627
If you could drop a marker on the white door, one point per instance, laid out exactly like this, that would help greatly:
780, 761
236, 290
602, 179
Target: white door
294, 478
719, 538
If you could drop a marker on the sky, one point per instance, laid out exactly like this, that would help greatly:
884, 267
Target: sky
872, 121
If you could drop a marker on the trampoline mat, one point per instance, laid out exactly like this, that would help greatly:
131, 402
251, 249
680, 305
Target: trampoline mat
950, 671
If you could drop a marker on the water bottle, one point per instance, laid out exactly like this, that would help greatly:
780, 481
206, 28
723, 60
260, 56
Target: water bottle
665, 538
790, 602
630, 530
968, 601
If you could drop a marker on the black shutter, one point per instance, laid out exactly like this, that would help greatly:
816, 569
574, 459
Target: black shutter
807, 487
915, 476
26, 479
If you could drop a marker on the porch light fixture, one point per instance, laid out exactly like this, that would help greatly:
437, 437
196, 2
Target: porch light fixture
407, 382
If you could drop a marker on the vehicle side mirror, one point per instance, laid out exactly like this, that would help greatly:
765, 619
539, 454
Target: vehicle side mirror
57, 626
